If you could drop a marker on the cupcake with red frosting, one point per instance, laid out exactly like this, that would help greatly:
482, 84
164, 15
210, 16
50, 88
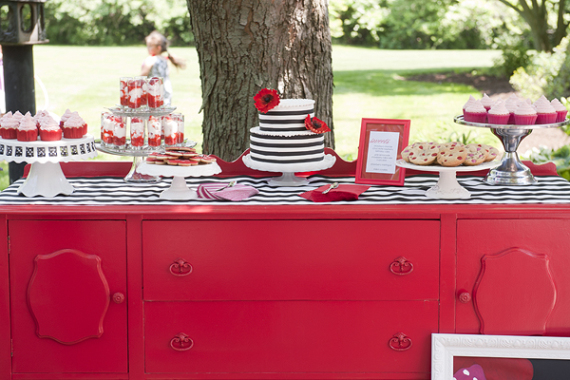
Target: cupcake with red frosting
476, 113
525, 114
561, 111
546, 114
73, 127
50, 130
498, 114
27, 130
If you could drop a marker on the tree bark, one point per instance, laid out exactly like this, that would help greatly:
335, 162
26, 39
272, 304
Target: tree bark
246, 45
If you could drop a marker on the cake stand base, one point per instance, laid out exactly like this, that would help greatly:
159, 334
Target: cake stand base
45, 180
288, 179
511, 171
179, 190
448, 188
135, 176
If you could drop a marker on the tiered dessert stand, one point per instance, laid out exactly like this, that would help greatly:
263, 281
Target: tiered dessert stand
178, 189
511, 171
288, 178
46, 179
138, 153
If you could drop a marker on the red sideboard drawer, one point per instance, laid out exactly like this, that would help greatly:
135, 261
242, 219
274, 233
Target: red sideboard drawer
291, 259
289, 336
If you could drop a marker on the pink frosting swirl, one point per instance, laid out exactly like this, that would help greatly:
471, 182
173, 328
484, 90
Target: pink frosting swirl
525, 109
476, 107
27, 123
74, 121
499, 108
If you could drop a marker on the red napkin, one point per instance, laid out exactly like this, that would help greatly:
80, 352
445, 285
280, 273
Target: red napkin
344, 192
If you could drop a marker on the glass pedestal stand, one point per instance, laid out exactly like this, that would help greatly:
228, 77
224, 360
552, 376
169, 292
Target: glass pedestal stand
288, 178
45, 178
511, 171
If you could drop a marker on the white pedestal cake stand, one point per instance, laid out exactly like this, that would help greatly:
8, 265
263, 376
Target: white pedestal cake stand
46, 179
288, 178
178, 189
447, 186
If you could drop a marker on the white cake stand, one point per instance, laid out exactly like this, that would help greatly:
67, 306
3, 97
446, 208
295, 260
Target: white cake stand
288, 178
447, 186
178, 189
46, 179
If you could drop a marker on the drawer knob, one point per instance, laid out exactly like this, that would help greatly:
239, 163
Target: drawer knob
181, 342
464, 296
118, 297
180, 268
400, 342
401, 266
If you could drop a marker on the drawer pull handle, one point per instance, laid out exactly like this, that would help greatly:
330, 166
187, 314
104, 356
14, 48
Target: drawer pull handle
180, 268
181, 342
464, 297
400, 342
118, 297
401, 266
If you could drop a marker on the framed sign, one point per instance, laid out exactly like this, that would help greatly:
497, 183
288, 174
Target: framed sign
468, 357
381, 144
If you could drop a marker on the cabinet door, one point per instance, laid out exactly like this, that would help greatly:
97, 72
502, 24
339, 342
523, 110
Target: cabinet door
63, 276
291, 259
512, 276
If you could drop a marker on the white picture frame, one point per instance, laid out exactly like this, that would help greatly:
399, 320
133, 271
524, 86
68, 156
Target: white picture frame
444, 347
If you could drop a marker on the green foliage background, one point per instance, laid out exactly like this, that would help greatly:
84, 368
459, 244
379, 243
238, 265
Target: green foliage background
116, 22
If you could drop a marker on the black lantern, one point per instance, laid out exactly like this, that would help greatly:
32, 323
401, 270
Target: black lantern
22, 22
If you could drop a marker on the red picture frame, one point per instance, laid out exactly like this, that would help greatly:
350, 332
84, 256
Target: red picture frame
376, 161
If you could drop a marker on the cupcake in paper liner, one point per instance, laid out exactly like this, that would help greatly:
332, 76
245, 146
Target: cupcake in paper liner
476, 113
27, 130
498, 114
487, 102
525, 114
546, 114
561, 111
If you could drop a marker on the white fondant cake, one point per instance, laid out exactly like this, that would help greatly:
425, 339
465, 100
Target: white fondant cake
282, 137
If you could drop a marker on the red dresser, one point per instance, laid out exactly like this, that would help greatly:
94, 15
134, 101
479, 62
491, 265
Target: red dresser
270, 291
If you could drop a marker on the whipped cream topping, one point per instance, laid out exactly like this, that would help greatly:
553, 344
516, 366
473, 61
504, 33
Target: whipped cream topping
169, 126
558, 106
525, 109
17, 115
511, 103
66, 115
74, 121
107, 122
486, 101
27, 123
476, 107
119, 129
154, 127
469, 102
135, 94
137, 127
499, 108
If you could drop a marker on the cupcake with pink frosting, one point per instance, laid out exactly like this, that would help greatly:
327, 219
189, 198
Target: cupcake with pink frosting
487, 102
49, 129
511, 104
27, 130
498, 114
9, 127
73, 127
561, 111
66, 115
470, 101
476, 113
525, 114
546, 114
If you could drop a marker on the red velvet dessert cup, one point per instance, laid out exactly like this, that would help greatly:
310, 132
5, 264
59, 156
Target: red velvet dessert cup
27, 134
49, 135
72, 132
9, 133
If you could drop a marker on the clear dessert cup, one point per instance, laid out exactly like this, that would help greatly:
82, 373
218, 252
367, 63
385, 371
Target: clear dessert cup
135, 92
119, 132
179, 118
107, 125
155, 92
138, 132
154, 131
124, 91
170, 130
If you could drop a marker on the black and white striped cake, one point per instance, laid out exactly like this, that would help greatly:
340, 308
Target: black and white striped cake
282, 138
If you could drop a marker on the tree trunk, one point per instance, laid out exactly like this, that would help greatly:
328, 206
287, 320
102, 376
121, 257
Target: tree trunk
246, 45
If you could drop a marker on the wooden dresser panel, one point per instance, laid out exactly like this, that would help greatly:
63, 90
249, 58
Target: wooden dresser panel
289, 337
291, 259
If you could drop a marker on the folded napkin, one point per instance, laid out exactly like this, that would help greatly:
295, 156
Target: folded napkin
344, 192
226, 191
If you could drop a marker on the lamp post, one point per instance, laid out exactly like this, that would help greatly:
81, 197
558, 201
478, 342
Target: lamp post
22, 25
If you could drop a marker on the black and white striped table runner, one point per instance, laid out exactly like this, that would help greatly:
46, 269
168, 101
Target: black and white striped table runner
114, 191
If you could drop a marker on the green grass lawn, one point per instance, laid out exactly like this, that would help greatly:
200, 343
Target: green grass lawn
369, 83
